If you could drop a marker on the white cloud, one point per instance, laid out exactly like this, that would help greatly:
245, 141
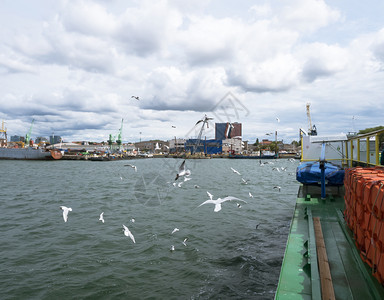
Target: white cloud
76, 68
321, 60
306, 15
277, 74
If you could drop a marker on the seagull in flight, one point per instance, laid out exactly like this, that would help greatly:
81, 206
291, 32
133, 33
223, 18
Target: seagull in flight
185, 242
218, 202
250, 195
244, 181
210, 195
128, 233
65, 212
132, 166
235, 171
101, 217
182, 171
175, 230
136, 97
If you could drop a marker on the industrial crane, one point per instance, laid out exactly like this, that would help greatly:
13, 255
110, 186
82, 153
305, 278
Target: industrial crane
28, 135
118, 135
311, 129
119, 141
205, 122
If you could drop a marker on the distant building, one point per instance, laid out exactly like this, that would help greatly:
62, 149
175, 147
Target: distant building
55, 139
205, 146
227, 130
17, 138
41, 139
152, 146
232, 146
176, 145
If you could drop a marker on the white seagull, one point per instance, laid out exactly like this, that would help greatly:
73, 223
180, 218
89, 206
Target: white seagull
175, 230
132, 166
128, 233
235, 171
218, 202
182, 171
244, 181
65, 212
210, 195
101, 217
185, 242
250, 195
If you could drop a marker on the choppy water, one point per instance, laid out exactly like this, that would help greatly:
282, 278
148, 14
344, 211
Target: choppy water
226, 256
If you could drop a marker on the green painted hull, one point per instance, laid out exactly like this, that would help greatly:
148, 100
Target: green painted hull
299, 277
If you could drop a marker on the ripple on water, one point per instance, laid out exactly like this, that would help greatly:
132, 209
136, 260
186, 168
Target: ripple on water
226, 255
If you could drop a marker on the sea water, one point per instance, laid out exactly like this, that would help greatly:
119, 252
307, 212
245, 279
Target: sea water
235, 253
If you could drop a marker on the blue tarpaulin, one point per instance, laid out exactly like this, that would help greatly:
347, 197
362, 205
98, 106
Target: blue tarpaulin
310, 173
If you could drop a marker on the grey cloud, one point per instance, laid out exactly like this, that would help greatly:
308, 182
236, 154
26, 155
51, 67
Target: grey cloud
314, 69
378, 51
181, 104
257, 86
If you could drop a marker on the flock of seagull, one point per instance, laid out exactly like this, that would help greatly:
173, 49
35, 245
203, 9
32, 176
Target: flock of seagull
185, 173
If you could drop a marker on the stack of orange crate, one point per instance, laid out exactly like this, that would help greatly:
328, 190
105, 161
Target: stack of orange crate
364, 214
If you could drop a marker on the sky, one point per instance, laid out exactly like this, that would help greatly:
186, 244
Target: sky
73, 67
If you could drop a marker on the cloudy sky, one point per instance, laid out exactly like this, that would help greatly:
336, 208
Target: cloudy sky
73, 66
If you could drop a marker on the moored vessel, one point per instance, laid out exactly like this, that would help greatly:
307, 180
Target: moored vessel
335, 245
29, 153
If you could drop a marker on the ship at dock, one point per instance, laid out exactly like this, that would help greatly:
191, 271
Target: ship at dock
29, 153
20, 152
335, 246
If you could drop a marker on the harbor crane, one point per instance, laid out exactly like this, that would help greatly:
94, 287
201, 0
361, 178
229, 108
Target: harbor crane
205, 122
311, 129
28, 135
119, 141
118, 136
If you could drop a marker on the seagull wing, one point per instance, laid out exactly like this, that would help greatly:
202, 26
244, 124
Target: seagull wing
208, 201
182, 167
132, 237
65, 215
231, 198
128, 233
181, 170
65, 212
125, 230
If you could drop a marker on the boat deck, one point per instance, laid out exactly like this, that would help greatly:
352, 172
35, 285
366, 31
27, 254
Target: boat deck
300, 276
